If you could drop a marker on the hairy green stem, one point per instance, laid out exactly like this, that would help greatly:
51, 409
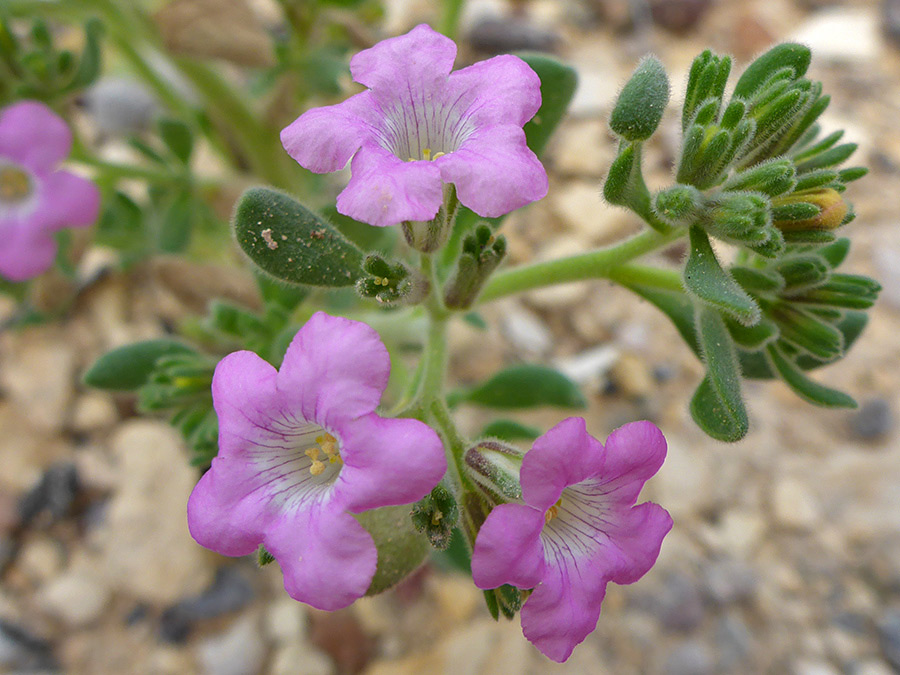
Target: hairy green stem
592, 265
642, 275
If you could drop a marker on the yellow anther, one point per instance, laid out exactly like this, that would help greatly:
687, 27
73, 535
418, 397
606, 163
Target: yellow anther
385, 281
312, 453
438, 154
551, 513
14, 184
317, 468
426, 153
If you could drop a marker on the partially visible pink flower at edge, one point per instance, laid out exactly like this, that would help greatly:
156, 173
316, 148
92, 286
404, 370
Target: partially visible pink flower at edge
300, 450
577, 530
36, 199
419, 126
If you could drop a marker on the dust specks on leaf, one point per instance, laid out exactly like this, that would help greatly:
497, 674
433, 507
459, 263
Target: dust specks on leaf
267, 237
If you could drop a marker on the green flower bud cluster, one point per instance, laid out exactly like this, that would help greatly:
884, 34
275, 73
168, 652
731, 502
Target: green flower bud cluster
181, 384
391, 283
482, 252
436, 516
41, 71
753, 173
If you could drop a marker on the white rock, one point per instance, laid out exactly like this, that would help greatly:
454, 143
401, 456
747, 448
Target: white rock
40, 559
808, 667
285, 621
77, 598
793, 506
147, 550
873, 667
238, 651
589, 365
93, 411
37, 372
525, 330
300, 658
583, 148
580, 206
841, 34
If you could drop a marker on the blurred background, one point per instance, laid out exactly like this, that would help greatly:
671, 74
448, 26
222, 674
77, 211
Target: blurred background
785, 556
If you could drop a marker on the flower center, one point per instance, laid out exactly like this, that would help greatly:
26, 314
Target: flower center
427, 156
325, 450
15, 184
553, 511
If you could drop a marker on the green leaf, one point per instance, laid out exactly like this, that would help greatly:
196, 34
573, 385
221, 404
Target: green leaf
292, 243
90, 63
705, 278
790, 54
129, 367
177, 222
717, 406
805, 388
510, 430
558, 83
642, 101
752, 337
619, 179
178, 138
525, 386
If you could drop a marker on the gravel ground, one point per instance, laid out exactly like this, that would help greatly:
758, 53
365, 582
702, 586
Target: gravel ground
785, 556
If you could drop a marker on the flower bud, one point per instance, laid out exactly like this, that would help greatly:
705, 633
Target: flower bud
435, 516
494, 467
391, 283
832, 210
678, 205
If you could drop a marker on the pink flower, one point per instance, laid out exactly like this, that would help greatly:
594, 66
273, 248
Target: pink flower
36, 200
300, 450
577, 530
419, 126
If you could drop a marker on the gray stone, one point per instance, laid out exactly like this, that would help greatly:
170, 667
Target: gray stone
727, 581
238, 651
734, 643
690, 658
120, 106
679, 16
889, 635
23, 651
500, 36
679, 605
873, 420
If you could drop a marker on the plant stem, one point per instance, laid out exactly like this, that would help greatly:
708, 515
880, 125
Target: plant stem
450, 16
642, 275
592, 265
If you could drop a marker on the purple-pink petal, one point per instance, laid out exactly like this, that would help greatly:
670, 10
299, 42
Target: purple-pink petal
334, 370
26, 251
501, 90
245, 398
388, 462
327, 558
225, 512
508, 549
494, 171
634, 453
33, 135
563, 610
635, 538
324, 139
66, 200
417, 61
563, 456
384, 190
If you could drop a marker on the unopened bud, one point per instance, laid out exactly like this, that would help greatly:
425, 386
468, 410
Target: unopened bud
832, 210
435, 516
494, 467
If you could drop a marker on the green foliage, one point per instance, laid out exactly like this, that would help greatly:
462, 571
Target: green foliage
401, 550
717, 406
128, 368
558, 83
290, 242
38, 70
523, 386
705, 279
510, 430
641, 102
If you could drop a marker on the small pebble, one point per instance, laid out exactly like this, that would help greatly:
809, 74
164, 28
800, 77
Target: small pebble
53, 494
679, 16
501, 36
22, 651
873, 420
889, 635
690, 658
